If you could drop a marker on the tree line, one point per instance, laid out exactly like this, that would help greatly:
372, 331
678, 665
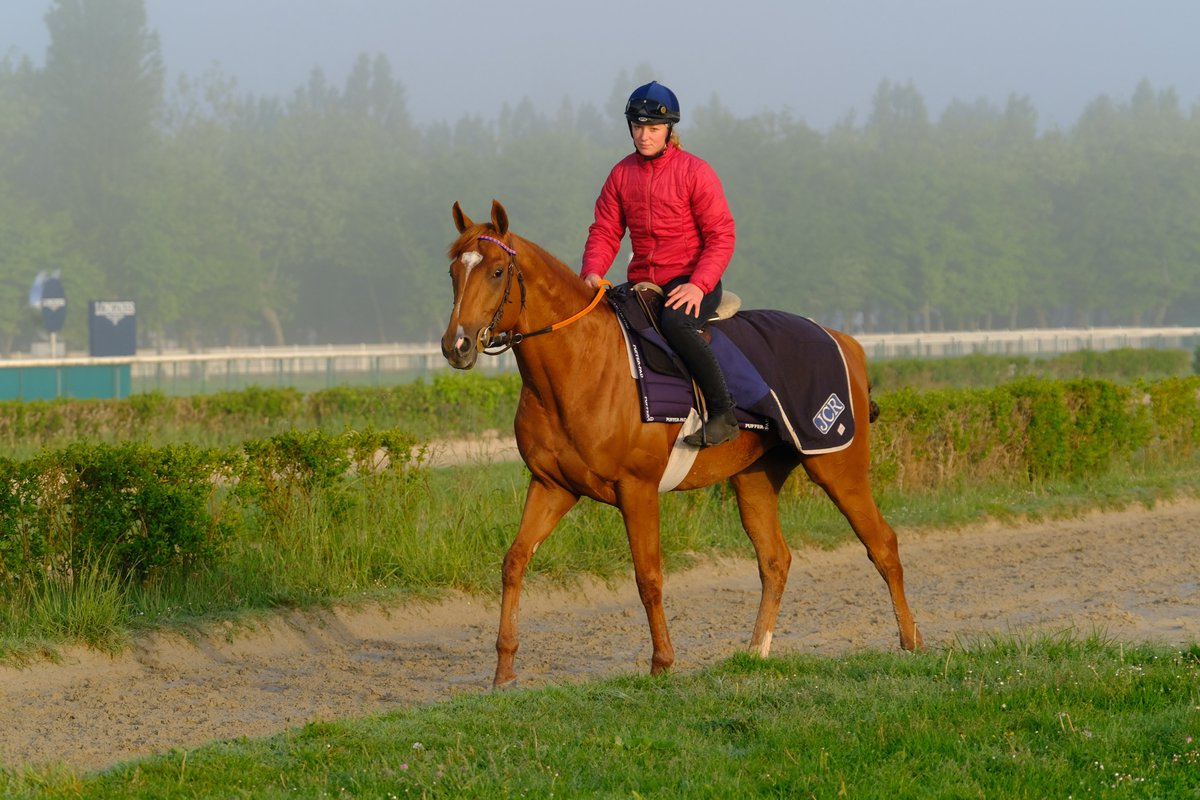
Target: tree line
323, 216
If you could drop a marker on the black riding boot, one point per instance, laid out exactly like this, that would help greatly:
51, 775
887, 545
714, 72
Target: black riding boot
682, 331
721, 425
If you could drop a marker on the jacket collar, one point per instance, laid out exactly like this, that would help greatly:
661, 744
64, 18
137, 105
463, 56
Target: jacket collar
666, 154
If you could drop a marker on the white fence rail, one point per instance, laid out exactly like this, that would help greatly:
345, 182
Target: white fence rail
314, 367
297, 366
1029, 342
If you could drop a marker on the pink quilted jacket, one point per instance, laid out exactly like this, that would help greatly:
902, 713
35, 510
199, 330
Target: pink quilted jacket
678, 220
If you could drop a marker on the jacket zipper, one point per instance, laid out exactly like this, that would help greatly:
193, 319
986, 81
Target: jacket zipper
649, 226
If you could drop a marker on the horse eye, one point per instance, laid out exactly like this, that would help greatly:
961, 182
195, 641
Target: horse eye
498, 272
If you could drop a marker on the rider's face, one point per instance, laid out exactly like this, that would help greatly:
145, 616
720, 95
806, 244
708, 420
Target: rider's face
650, 140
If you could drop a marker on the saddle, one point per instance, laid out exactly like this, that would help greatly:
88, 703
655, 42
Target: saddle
786, 373
644, 316
651, 297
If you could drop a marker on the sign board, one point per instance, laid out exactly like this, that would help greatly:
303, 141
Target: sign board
53, 304
112, 328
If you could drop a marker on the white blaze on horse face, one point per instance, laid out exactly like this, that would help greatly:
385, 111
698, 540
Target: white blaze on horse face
470, 260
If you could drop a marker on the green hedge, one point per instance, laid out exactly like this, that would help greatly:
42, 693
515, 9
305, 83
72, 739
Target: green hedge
1033, 430
464, 402
143, 510
452, 401
980, 370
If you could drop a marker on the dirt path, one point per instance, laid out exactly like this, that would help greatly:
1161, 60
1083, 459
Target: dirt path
1132, 575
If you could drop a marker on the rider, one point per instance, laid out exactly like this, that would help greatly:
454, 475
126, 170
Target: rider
682, 235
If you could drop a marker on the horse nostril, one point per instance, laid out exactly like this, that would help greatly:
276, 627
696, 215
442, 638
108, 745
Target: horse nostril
462, 345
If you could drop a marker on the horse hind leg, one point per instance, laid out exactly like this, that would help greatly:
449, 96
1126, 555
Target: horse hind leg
850, 491
757, 491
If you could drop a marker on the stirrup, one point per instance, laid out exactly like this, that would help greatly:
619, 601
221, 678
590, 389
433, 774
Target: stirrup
716, 430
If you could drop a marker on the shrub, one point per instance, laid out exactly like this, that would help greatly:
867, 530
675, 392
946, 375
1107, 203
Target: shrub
143, 510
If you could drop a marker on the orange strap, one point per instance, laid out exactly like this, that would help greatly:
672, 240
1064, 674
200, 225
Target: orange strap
599, 293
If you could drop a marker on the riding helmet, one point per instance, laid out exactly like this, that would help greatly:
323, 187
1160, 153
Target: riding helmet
652, 104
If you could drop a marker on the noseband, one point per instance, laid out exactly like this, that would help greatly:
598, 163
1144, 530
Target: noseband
497, 343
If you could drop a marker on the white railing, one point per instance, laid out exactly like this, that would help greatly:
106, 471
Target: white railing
1029, 342
237, 368
233, 368
262, 359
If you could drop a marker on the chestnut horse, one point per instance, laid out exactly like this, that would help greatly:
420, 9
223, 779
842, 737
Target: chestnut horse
579, 430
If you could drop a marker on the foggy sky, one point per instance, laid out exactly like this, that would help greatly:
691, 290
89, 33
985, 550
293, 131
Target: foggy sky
817, 60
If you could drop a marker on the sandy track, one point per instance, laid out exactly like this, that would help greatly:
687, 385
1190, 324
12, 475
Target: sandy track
1131, 575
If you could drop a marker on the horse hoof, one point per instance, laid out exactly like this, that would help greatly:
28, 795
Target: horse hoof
500, 684
913, 643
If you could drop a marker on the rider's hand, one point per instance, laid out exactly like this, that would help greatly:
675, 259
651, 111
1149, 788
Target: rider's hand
686, 296
592, 280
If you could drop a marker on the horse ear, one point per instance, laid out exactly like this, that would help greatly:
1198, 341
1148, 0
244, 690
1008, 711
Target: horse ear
499, 217
461, 220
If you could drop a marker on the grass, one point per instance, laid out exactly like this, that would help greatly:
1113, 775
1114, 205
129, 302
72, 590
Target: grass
1051, 717
1048, 717
413, 536
89, 608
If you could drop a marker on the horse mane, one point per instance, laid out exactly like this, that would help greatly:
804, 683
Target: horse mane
544, 254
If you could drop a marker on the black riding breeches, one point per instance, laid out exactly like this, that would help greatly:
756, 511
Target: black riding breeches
682, 331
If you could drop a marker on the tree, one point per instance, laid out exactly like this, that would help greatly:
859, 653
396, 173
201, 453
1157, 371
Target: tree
191, 263
1131, 224
30, 240
101, 94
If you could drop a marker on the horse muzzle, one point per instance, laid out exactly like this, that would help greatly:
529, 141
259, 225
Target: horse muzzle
460, 353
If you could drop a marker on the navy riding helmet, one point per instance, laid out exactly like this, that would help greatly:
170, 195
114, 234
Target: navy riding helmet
652, 104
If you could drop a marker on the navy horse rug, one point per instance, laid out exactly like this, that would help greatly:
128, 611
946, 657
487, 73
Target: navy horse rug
785, 372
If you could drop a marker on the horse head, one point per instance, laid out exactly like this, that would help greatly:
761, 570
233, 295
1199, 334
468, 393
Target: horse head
488, 286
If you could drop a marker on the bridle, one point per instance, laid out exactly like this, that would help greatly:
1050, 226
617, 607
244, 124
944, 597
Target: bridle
486, 335
497, 343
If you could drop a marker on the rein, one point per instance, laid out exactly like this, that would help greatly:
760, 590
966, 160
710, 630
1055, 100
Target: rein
497, 343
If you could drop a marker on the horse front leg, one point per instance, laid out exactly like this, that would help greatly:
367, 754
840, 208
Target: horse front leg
545, 505
639, 508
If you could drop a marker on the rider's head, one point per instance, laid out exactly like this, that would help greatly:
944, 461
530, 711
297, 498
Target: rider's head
652, 111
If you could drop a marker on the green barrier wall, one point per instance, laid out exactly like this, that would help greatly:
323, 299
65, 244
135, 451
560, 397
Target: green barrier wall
106, 382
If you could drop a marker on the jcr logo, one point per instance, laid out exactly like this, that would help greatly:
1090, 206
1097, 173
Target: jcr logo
829, 413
